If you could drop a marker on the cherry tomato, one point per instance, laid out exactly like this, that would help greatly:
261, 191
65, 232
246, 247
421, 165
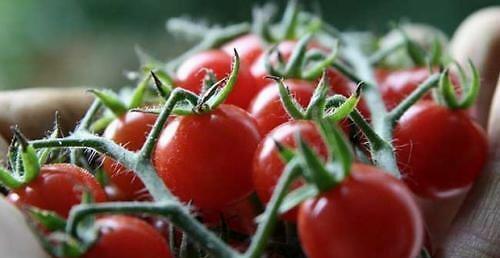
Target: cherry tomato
249, 47
131, 131
57, 188
127, 237
370, 214
192, 71
268, 165
440, 151
267, 108
207, 159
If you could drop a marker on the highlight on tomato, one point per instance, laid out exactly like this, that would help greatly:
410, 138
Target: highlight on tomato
440, 151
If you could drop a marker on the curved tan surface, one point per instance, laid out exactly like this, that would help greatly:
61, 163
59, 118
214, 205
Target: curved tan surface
33, 109
478, 38
476, 230
16, 239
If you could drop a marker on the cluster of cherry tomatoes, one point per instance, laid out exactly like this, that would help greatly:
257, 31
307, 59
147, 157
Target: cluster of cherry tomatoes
216, 160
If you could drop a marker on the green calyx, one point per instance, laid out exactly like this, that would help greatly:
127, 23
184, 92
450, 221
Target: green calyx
419, 55
163, 83
294, 23
303, 63
24, 154
447, 93
318, 103
326, 174
321, 175
215, 92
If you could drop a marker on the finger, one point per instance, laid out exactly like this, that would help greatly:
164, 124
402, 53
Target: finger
476, 230
33, 109
16, 238
478, 38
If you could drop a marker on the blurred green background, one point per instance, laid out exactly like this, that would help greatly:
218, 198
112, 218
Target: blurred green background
91, 42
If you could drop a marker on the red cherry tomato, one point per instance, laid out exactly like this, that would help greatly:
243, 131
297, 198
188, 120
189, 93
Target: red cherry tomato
267, 108
268, 165
131, 131
207, 159
192, 71
57, 188
249, 47
440, 151
127, 237
371, 214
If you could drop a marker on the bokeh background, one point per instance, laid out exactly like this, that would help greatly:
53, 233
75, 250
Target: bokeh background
91, 42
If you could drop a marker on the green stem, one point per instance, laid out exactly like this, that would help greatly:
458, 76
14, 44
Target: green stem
177, 214
130, 160
289, 22
269, 217
230, 83
177, 95
9, 180
383, 153
292, 108
358, 119
417, 94
86, 121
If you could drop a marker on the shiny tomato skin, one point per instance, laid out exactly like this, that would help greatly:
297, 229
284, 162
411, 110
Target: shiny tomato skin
130, 131
192, 71
249, 47
440, 151
58, 188
207, 159
371, 214
268, 165
127, 237
267, 108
